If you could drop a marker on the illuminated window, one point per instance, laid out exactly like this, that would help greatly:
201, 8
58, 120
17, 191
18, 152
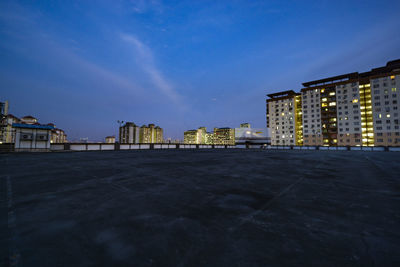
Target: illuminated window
393, 89
324, 99
324, 105
380, 115
322, 90
332, 93
387, 115
332, 104
392, 77
355, 100
283, 114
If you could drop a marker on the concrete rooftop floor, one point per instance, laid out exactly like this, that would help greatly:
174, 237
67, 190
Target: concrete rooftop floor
200, 208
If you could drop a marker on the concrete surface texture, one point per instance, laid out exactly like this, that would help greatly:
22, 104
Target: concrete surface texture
200, 208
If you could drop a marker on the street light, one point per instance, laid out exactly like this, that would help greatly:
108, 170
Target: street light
120, 123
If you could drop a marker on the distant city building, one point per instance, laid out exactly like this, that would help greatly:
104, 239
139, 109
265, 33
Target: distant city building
110, 139
354, 109
252, 135
220, 136
195, 136
8, 131
3, 109
190, 137
224, 136
57, 135
29, 120
245, 125
130, 133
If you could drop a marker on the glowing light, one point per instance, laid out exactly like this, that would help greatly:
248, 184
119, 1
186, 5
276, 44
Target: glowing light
355, 100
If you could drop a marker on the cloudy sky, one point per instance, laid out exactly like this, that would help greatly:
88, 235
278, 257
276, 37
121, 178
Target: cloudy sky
179, 64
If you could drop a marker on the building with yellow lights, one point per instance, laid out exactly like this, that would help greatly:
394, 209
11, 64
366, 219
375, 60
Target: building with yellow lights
220, 136
284, 118
354, 109
130, 133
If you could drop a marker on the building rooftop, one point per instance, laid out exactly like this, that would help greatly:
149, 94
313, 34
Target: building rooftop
223, 207
390, 66
282, 94
32, 126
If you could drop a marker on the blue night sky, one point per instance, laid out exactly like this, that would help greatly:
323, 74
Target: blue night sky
179, 64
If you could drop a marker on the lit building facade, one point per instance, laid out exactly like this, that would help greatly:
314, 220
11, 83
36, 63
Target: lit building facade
284, 118
224, 136
130, 133
9, 130
57, 135
195, 136
220, 136
190, 137
355, 109
110, 139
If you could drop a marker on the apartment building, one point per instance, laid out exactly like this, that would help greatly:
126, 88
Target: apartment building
354, 109
130, 133
220, 136
385, 103
224, 136
284, 118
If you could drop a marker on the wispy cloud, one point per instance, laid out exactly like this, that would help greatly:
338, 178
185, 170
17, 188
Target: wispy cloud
142, 6
147, 63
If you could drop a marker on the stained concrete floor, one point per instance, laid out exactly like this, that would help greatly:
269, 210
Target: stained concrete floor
200, 208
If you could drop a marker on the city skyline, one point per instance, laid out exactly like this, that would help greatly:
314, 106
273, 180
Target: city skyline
179, 65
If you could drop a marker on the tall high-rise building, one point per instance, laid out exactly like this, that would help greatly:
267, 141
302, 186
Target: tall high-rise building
354, 109
284, 118
129, 133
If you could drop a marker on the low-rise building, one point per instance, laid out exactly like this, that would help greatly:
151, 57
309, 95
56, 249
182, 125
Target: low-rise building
32, 137
8, 131
110, 139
